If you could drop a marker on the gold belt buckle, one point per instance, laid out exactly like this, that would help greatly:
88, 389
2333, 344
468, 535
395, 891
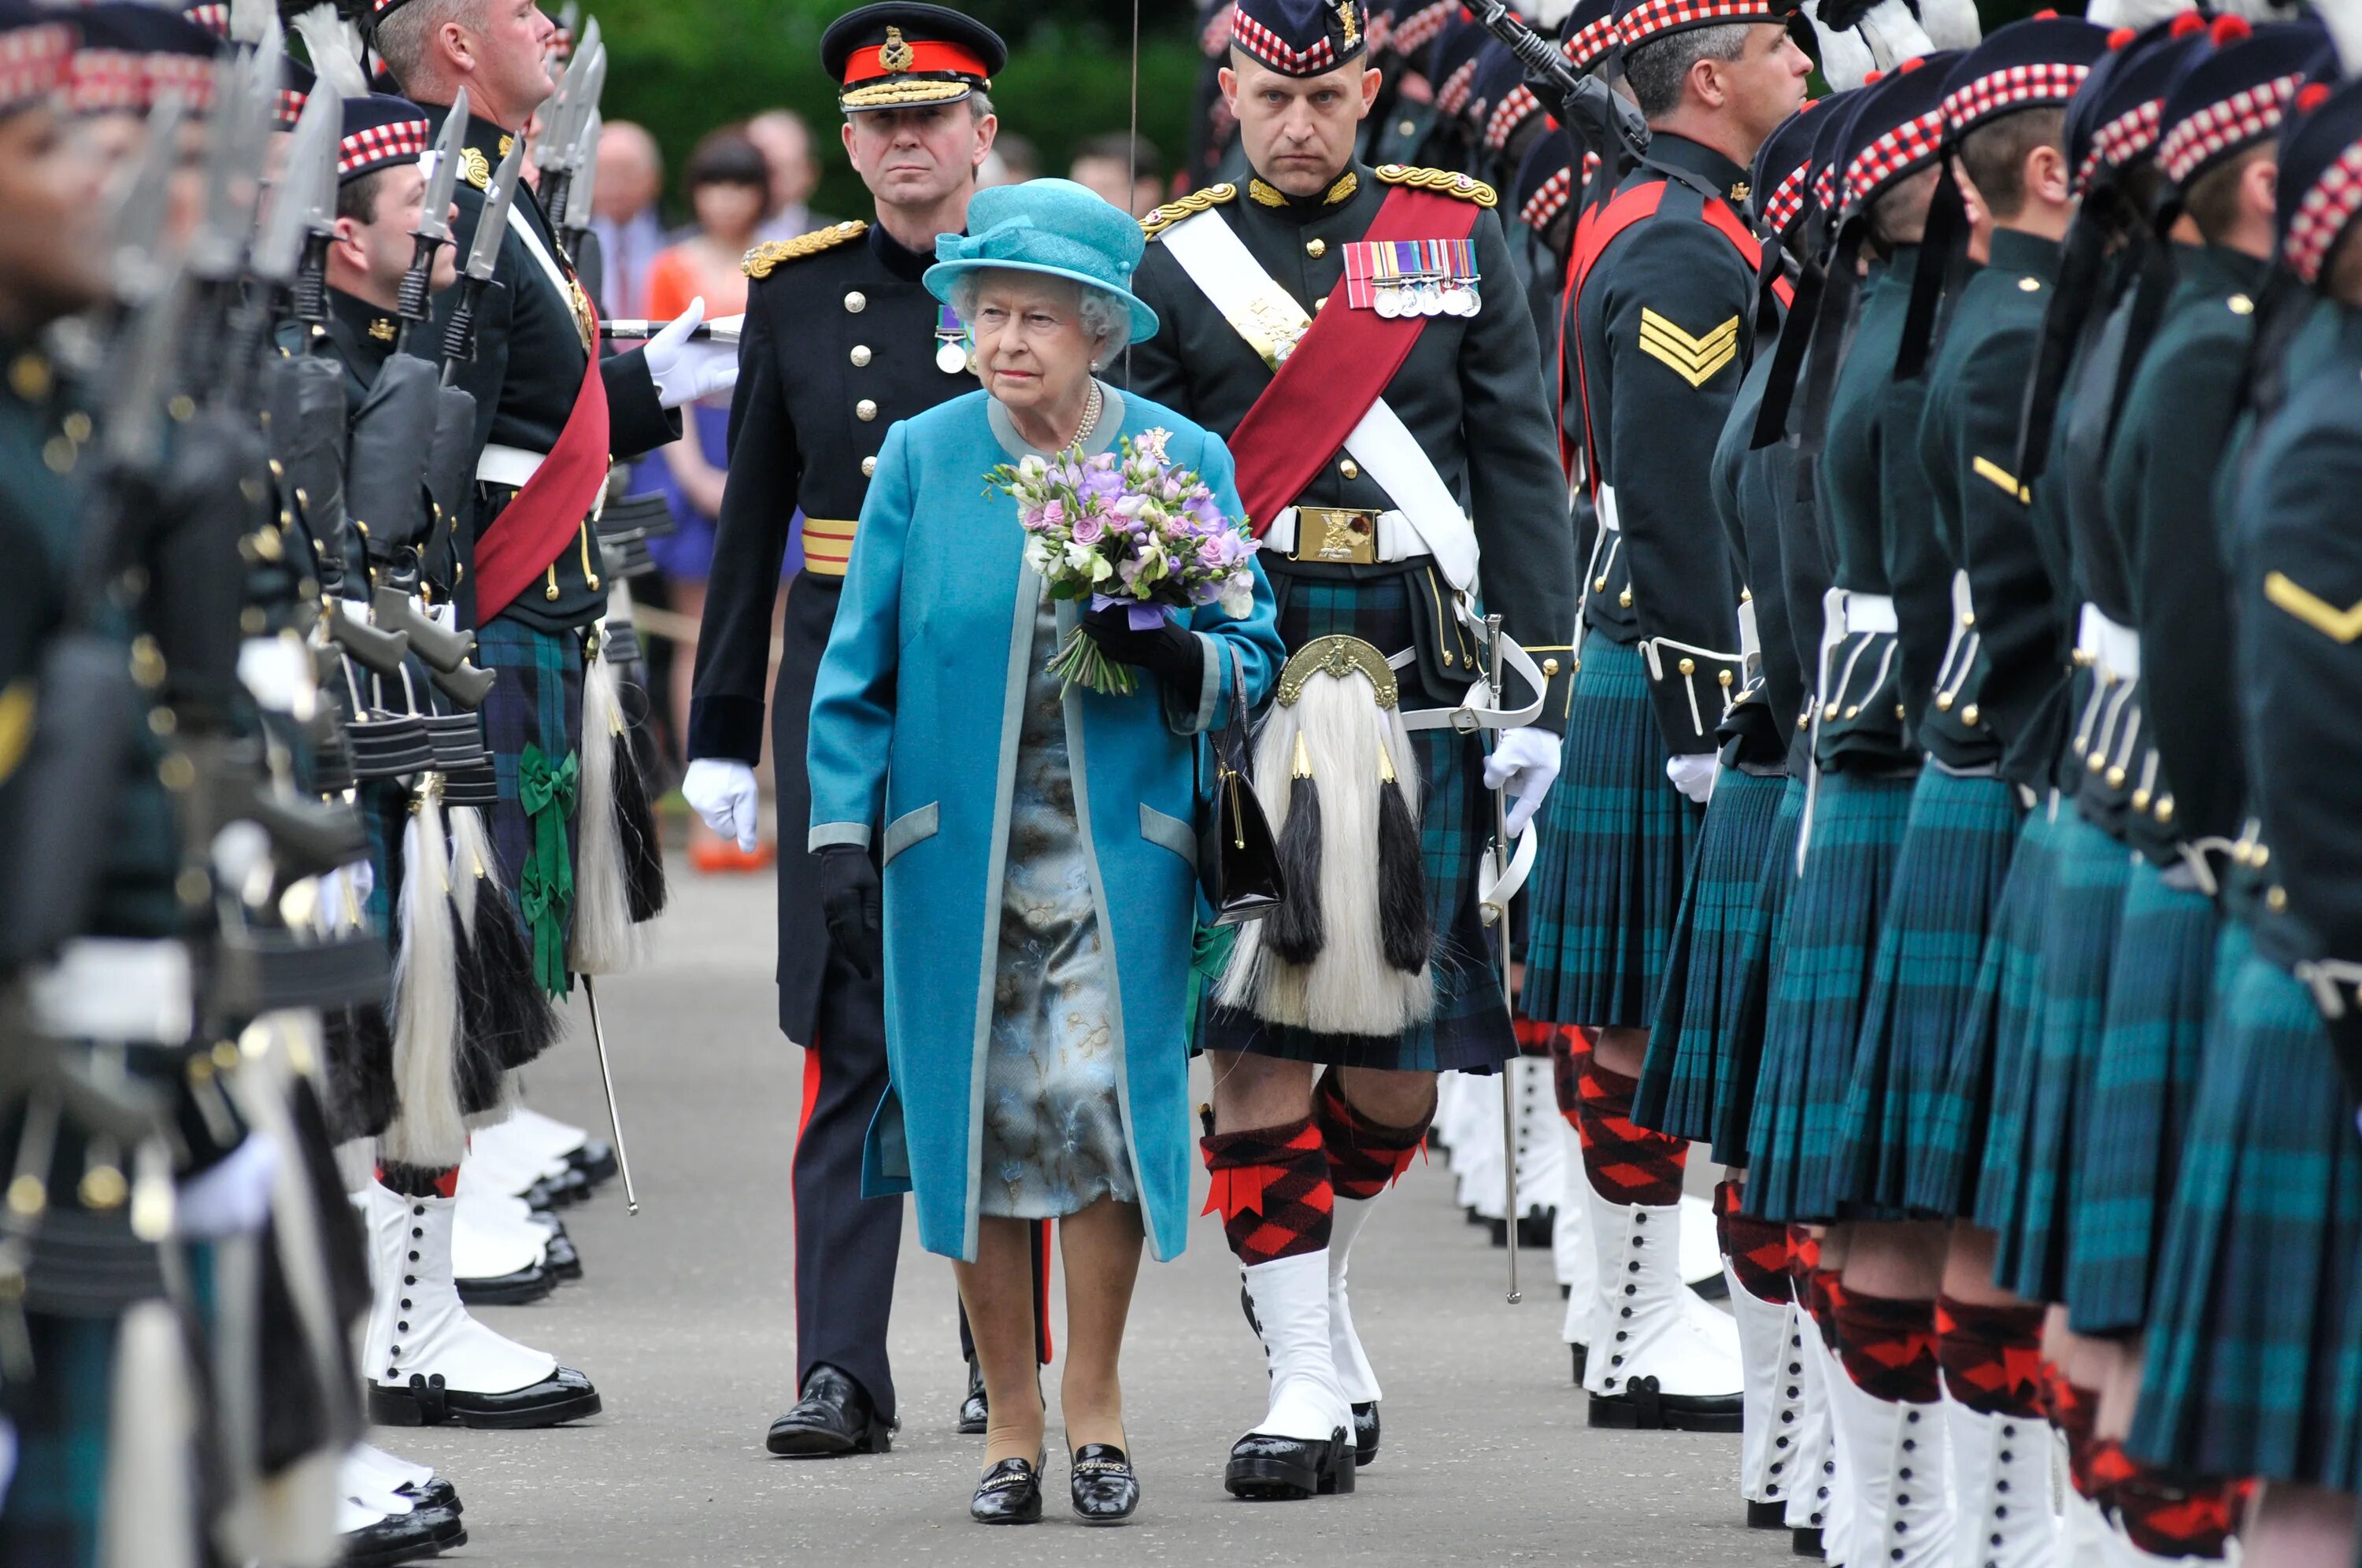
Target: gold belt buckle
1339, 535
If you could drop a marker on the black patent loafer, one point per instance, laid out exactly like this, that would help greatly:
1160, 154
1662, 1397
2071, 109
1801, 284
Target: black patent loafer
596, 1160
1365, 1432
560, 1258
433, 1493
401, 1538
976, 1410
516, 1289
833, 1415
1010, 1493
1105, 1489
1643, 1408
564, 1395
1268, 1468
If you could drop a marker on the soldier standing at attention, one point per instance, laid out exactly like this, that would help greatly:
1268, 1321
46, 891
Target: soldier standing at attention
1658, 338
841, 340
1358, 336
549, 414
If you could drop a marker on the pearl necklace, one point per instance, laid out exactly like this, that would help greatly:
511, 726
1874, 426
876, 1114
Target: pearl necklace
1091, 409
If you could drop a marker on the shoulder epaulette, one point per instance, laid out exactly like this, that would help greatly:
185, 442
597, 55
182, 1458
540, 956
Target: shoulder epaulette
1467, 187
1159, 219
763, 258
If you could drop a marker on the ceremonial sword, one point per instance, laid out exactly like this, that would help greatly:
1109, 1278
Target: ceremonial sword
1495, 912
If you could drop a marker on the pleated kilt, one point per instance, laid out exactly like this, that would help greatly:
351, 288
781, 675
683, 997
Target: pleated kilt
1709, 1027
1774, 896
2159, 987
537, 699
1815, 1008
1615, 850
2079, 946
2254, 1335
1983, 1093
50, 1512
1469, 1029
1949, 878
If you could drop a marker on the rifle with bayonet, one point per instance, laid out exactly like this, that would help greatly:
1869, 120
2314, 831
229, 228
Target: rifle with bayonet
434, 230
483, 259
1610, 122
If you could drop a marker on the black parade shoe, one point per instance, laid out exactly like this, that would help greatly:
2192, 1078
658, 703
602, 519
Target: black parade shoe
976, 1410
1365, 1432
564, 1395
433, 1493
1642, 1409
508, 1289
1010, 1493
560, 1258
1104, 1487
833, 1415
596, 1160
1805, 1544
421, 1533
1766, 1516
1268, 1468
1581, 1354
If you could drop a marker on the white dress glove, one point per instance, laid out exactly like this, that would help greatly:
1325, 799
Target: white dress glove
721, 791
684, 370
1525, 762
1693, 774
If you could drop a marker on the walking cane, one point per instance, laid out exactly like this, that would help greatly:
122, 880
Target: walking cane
1495, 914
607, 1078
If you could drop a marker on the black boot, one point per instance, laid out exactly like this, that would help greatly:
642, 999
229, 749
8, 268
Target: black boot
976, 1410
835, 1415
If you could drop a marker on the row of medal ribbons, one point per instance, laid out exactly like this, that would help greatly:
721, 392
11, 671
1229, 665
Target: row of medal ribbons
1412, 277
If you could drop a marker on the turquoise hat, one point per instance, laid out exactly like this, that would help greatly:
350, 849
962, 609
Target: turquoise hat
1046, 226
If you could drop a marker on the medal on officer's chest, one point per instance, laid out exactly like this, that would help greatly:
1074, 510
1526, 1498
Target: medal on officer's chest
951, 342
1412, 277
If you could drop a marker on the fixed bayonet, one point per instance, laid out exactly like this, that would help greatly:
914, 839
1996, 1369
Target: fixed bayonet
582, 191
434, 230
483, 257
1602, 116
279, 246
578, 98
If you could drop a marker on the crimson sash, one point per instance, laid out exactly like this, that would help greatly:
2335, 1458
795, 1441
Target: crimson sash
1340, 367
541, 523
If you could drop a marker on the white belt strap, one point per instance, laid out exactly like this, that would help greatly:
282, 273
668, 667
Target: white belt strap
523, 227
1750, 641
511, 465
1472, 715
113, 988
1221, 266
1396, 539
2112, 649
1869, 613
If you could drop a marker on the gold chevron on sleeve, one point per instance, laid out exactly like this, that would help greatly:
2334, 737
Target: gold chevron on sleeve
1987, 468
1694, 359
2338, 626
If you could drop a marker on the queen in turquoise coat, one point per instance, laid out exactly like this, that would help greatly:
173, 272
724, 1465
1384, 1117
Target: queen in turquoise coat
1037, 846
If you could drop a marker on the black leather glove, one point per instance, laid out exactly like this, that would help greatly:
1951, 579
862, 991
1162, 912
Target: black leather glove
1168, 649
850, 901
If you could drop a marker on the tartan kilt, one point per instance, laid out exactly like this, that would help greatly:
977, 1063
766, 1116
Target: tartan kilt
2254, 1335
1615, 850
1981, 1093
1469, 1029
1710, 1021
2149, 1050
1774, 892
50, 1512
1815, 1013
2079, 945
1948, 877
538, 699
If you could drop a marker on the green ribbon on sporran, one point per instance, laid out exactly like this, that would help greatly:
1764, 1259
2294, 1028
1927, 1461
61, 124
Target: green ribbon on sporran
546, 890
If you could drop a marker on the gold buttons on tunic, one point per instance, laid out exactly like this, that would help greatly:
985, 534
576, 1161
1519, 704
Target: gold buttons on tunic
2164, 812
1625, 598
1687, 667
1349, 469
2029, 285
2117, 776
1599, 584
2140, 799
865, 409
868, 467
1969, 715
856, 300
1549, 667
1854, 710
860, 355
1831, 712
1316, 248
2276, 899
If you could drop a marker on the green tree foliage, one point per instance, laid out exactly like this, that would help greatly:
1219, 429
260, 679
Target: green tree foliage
682, 67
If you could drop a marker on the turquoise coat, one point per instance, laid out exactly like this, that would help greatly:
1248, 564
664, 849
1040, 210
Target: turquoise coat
915, 719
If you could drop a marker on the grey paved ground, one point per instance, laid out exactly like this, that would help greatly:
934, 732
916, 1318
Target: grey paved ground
684, 1322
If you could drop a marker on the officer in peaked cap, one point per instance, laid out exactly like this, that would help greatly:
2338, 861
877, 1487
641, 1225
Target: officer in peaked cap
1388, 561
1659, 333
841, 341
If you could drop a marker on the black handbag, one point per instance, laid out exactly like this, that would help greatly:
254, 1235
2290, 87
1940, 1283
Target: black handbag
1237, 862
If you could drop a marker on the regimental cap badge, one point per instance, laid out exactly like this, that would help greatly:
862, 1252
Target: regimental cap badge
894, 54
1349, 23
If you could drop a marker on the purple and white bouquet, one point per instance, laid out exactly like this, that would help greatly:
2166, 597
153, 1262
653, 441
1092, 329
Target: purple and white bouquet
1128, 529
